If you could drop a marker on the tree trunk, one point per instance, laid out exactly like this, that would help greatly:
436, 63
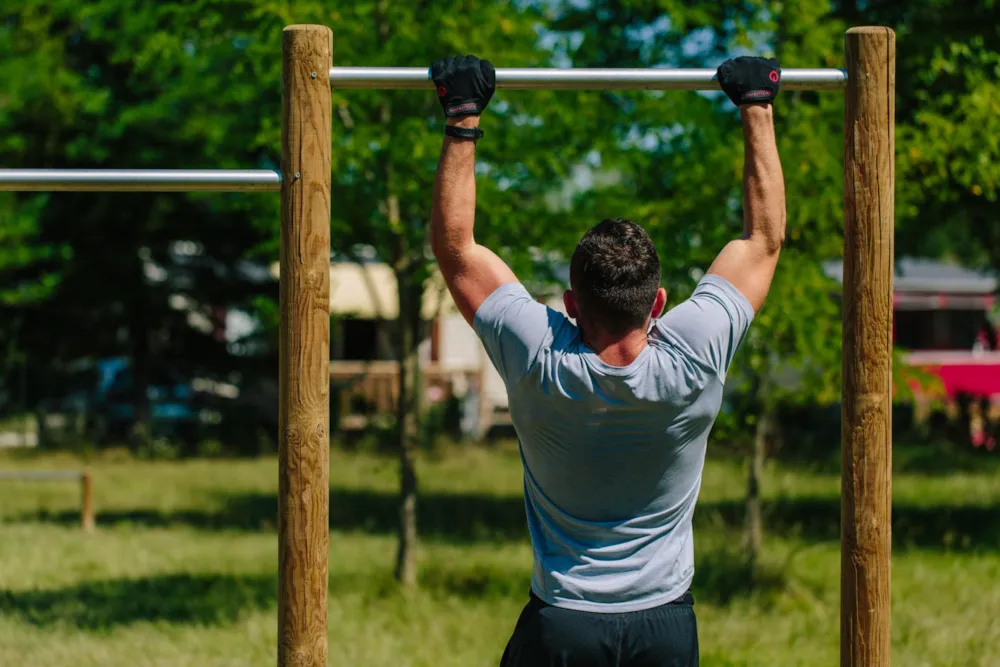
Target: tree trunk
405, 265
754, 538
42, 439
408, 423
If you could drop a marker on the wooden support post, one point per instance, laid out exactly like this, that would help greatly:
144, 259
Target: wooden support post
866, 478
304, 366
87, 521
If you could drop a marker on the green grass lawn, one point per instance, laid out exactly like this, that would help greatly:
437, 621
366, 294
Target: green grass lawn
181, 570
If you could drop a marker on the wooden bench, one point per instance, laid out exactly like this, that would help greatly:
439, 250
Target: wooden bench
87, 521
369, 388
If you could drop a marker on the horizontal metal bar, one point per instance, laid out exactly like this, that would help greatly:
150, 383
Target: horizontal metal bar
40, 475
140, 180
399, 78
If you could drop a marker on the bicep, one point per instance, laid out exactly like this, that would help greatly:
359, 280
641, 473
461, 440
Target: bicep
747, 266
472, 275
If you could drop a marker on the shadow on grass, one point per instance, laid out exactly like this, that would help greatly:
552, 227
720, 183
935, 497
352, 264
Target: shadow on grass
722, 576
470, 517
911, 454
935, 458
452, 517
479, 583
958, 527
216, 600
206, 599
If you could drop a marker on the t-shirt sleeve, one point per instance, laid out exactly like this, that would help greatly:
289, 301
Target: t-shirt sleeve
710, 325
513, 328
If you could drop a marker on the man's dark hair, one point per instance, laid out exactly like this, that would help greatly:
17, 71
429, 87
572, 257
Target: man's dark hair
615, 273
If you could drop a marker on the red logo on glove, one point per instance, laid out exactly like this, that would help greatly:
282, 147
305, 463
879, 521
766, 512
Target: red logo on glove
774, 76
468, 106
442, 91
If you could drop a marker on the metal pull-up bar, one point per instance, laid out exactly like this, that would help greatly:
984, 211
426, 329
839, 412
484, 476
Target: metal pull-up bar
140, 180
405, 78
388, 78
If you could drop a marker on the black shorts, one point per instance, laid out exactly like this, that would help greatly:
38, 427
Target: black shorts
547, 636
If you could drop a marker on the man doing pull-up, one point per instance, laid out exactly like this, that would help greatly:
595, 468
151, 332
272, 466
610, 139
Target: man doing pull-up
613, 412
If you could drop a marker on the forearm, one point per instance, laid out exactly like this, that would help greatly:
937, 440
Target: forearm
763, 181
454, 209
472, 273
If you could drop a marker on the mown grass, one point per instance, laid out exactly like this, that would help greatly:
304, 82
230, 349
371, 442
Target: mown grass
181, 570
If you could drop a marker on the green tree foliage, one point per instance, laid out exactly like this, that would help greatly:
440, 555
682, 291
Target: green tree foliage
947, 66
197, 85
20, 254
113, 84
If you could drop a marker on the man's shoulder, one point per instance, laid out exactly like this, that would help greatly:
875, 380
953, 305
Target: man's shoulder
517, 330
508, 295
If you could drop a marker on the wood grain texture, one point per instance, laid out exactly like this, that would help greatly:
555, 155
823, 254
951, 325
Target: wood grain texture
866, 478
87, 521
303, 461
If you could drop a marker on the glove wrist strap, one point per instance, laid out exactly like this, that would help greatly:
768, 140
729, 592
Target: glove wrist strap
473, 133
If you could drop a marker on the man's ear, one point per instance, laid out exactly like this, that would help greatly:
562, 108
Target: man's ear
569, 301
659, 303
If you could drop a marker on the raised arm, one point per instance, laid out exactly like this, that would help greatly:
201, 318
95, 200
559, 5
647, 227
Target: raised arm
471, 271
749, 262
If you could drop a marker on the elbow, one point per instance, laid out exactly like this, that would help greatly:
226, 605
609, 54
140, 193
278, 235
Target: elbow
779, 239
446, 251
774, 237
446, 254
775, 243
449, 239
439, 245
767, 247
436, 246
770, 239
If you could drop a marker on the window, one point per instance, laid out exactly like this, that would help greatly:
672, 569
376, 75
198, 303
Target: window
938, 329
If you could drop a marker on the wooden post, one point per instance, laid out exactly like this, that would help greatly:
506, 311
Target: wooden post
304, 366
866, 478
87, 521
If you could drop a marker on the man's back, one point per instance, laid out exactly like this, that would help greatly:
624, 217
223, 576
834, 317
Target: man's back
612, 452
613, 455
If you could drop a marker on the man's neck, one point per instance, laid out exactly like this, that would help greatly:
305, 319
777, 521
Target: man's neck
619, 350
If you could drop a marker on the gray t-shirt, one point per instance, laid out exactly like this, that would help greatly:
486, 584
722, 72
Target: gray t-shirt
613, 456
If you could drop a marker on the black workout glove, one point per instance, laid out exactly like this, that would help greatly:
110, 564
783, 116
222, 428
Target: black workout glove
749, 80
465, 84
